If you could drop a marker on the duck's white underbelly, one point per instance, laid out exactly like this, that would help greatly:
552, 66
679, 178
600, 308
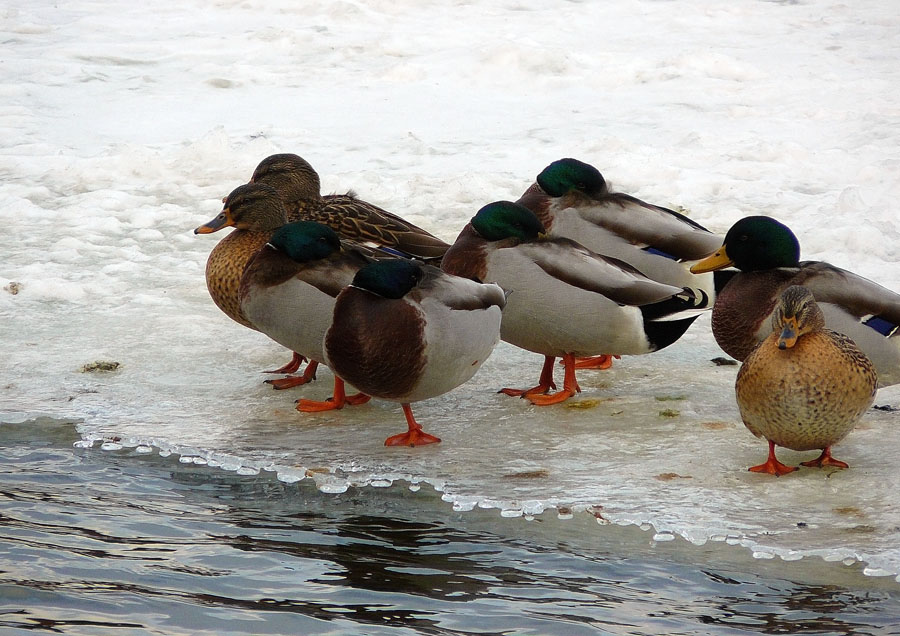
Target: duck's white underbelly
294, 314
457, 344
548, 316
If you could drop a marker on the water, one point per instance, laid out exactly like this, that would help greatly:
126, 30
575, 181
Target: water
122, 132
693, 104
127, 541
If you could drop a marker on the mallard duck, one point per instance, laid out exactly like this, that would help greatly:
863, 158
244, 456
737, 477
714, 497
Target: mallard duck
288, 289
298, 185
405, 331
563, 299
767, 254
255, 211
804, 387
572, 199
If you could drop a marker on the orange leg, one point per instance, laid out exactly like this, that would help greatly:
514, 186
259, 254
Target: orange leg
825, 459
544, 384
296, 380
415, 436
337, 401
290, 367
570, 386
772, 465
595, 362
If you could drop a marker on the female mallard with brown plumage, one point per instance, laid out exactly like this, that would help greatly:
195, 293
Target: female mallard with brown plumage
767, 254
255, 210
298, 184
804, 387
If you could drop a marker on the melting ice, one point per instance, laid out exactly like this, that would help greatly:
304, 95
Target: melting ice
122, 131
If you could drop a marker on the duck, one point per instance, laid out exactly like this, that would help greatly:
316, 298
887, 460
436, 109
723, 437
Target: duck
288, 290
766, 254
804, 387
298, 184
564, 300
573, 200
405, 331
255, 210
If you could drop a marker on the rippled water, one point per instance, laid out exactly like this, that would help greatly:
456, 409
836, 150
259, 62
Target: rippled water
129, 542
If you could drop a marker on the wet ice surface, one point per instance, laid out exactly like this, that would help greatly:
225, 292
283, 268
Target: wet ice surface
655, 442
120, 139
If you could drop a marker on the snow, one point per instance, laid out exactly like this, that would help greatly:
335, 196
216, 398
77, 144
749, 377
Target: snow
124, 125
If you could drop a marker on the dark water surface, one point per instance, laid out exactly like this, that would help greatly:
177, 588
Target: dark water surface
118, 542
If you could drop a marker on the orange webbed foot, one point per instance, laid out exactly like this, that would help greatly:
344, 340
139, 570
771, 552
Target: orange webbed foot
544, 384
357, 398
773, 468
825, 459
535, 390
772, 465
551, 398
312, 406
595, 362
290, 367
411, 438
295, 380
337, 401
415, 436
570, 386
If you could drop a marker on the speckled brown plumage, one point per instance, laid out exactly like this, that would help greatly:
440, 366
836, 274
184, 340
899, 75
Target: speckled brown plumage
376, 366
225, 266
299, 187
256, 212
809, 393
807, 397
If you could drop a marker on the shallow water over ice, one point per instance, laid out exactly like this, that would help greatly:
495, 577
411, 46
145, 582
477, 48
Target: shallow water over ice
123, 131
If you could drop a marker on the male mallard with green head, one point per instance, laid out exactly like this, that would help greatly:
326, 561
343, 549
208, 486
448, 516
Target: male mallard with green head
405, 331
563, 299
573, 200
288, 289
767, 254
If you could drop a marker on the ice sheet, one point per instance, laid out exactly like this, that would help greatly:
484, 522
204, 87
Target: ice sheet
123, 129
